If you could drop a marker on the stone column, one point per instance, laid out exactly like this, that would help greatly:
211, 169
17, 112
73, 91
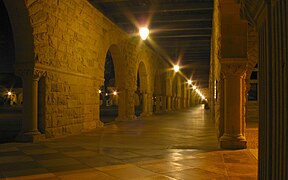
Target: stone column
188, 99
164, 101
158, 101
233, 71
178, 103
30, 78
169, 99
184, 103
192, 99
126, 107
144, 104
149, 104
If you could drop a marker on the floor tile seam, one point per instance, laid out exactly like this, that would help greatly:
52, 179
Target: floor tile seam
92, 169
223, 160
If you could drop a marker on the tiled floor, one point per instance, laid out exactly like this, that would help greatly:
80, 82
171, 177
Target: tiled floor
176, 145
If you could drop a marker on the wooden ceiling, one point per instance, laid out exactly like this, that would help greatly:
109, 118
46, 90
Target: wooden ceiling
180, 29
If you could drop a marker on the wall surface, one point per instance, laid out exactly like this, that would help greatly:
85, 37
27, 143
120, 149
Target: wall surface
60, 52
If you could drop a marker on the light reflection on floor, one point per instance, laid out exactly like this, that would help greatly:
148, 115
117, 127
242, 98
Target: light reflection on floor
175, 145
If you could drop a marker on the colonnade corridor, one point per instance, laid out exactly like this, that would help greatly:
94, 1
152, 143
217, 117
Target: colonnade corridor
172, 145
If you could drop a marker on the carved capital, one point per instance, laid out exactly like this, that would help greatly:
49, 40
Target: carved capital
29, 71
231, 68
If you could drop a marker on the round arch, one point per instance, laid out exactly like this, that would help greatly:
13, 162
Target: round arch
113, 69
22, 31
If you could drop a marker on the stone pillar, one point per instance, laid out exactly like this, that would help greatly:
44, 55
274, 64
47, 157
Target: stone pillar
144, 104
126, 107
184, 103
30, 78
149, 104
193, 98
233, 71
158, 102
172, 103
169, 104
188, 99
178, 103
164, 101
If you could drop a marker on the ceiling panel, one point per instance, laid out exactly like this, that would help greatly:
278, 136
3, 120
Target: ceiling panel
181, 29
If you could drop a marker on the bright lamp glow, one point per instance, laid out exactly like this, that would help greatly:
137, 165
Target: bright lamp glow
9, 93
176, 68
115, 93
99, 91
189, 82
194, 87
144, 32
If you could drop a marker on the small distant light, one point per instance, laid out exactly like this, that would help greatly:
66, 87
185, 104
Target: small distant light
106, 94
144, 32
194, 87
115, 93
189, 82
100, 91
176, 68
9, 93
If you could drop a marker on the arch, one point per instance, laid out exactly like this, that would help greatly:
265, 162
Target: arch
18, 48
143, 77
118, 60
22, 31
142, 95
157, 83
157, 94
113, 80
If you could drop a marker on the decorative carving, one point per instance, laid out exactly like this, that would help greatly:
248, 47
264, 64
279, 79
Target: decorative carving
29, 71
233, 68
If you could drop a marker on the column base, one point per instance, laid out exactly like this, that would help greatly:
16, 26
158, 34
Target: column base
233, 142
126, 118
145, 114
32, 136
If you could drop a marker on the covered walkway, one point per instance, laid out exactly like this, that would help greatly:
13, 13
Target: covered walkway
174, 145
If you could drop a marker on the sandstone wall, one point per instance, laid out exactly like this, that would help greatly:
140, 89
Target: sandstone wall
71, 39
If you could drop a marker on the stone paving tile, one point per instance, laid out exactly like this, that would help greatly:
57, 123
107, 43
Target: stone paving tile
128, 172
58, 162
157, 177
88, 175
195, 173
165, 167
15, 159
19, 166
176, 145
25, 173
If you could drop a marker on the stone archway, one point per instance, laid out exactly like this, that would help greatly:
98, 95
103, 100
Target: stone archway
157, 95
142, 91
113, 82
26, 66
11, 86
179, 93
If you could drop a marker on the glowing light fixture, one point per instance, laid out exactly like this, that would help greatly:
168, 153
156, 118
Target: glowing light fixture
106, 94
115, 93
176, 68
99, 91
189, 82
9, 93
194, 87
144, 32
